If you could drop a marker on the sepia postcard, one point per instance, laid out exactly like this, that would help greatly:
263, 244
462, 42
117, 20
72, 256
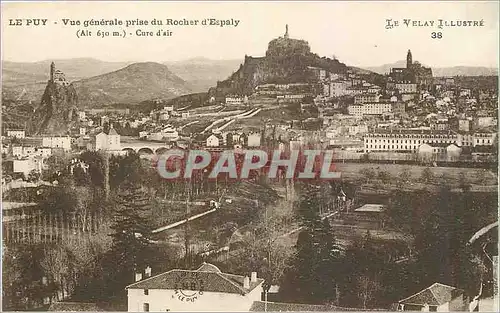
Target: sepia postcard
249, 156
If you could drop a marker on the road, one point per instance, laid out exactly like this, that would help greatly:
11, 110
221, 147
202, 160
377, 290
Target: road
231, 119
190, 123
178, 223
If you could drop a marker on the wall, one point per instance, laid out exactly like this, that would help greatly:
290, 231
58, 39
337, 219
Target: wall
57, 142
212, 141
16, 133
459, 303
26, 166
349, 155
101, 141
453, 153
254, 140
376, 142
444, 307
113, 142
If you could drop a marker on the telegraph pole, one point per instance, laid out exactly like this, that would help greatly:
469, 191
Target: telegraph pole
186, 226
106, 175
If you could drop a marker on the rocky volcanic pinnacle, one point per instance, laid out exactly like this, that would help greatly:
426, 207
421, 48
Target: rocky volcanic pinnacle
57, 110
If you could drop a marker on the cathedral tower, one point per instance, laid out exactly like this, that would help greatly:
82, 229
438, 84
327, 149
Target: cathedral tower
408, 59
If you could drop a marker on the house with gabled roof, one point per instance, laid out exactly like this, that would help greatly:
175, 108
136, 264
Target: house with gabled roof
436, 298
109, 141
204, 289
214, 140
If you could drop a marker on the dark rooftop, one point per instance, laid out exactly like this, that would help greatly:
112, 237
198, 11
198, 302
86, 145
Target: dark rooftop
436, 294
213, 280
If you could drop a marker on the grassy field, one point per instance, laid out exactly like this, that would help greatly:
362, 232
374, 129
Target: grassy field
449, 175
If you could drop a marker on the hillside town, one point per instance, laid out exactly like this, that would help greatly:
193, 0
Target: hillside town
410, 226
413, 118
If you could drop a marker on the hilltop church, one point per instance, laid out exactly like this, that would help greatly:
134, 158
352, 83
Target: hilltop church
57, 76
413, 74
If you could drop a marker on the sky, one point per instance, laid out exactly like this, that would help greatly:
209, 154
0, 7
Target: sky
352, 31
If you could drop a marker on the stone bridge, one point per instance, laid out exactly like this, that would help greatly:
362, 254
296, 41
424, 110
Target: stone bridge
145, 147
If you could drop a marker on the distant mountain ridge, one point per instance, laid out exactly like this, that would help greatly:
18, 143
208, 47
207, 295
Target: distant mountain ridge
132, 84
74, 69
203, 73
96, 82
27, 81
440, 71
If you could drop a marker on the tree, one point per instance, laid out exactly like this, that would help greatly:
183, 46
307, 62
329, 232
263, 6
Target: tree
367, 174
255, 254
452, 220
384, 176
81, 177
229, 140
57, 200
131, 249
408, 210
405, 175
441, 223
96, 167
330, 267
299, 282
57, 167
368, 287
262, 249
23, 288
364, 265
58, 264
444, 178
482, 178
88, 264
34, 176
427, 175
462, 181
106, 126
313, 270
128, 169
308, 206
271, 226
85, 207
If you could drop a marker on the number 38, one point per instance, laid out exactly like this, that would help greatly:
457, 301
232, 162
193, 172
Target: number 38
435, 35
